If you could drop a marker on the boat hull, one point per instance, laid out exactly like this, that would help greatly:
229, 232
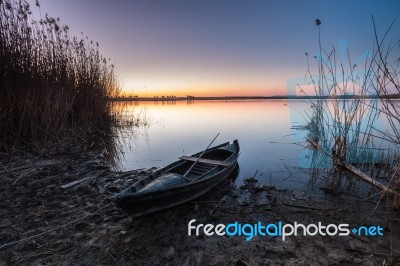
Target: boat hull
139, 204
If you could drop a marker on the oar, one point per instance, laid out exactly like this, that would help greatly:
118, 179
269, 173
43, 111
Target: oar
188, 171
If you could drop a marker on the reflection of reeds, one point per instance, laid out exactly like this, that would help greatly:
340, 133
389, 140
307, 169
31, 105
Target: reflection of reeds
51, 83
130, 128
344, 123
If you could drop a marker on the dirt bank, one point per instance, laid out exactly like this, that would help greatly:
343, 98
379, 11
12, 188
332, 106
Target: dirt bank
77, 224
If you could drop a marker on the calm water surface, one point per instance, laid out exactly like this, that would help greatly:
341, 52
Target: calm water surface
262, 127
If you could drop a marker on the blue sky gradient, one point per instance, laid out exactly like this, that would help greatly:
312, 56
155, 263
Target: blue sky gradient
220, 47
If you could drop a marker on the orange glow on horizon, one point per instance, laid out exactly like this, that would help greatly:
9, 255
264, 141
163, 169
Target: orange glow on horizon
212, 92
232, 82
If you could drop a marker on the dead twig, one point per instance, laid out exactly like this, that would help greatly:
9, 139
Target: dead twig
9, 244
219, 203
22, 175
76, 182
310, 208
354, 170
287, 168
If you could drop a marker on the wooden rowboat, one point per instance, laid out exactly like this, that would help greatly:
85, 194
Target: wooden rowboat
181, 181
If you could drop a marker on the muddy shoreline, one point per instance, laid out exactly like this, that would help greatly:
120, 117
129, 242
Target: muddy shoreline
55, 209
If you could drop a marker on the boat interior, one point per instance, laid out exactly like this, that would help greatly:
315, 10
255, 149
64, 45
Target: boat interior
213, 160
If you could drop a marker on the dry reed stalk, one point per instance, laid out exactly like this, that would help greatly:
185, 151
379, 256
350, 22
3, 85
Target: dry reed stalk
52, 84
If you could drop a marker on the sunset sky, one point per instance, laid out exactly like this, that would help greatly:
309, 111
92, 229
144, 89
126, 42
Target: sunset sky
220, 48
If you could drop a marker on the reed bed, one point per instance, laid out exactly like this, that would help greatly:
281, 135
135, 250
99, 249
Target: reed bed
52, 85
347, 124
387, 71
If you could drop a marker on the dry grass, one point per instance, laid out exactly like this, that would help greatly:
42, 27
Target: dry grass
52, 85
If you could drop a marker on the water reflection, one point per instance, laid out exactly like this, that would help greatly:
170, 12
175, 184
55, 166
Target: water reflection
349, 131
263, 129
272, 147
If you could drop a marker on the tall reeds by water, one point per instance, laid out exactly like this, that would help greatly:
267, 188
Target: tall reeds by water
346, 123
387, 71
51, 84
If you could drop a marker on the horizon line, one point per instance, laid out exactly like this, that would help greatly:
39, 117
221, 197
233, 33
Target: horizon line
276, 97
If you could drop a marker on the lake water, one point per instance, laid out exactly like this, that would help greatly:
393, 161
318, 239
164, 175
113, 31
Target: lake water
269, 144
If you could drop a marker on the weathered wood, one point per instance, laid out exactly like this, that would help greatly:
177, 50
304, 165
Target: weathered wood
354, 170
33, 165
171, 192
365, 177
207, 161
195, 162
76, 182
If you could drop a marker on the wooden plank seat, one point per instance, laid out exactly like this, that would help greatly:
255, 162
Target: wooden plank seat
200, 169
206, 161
